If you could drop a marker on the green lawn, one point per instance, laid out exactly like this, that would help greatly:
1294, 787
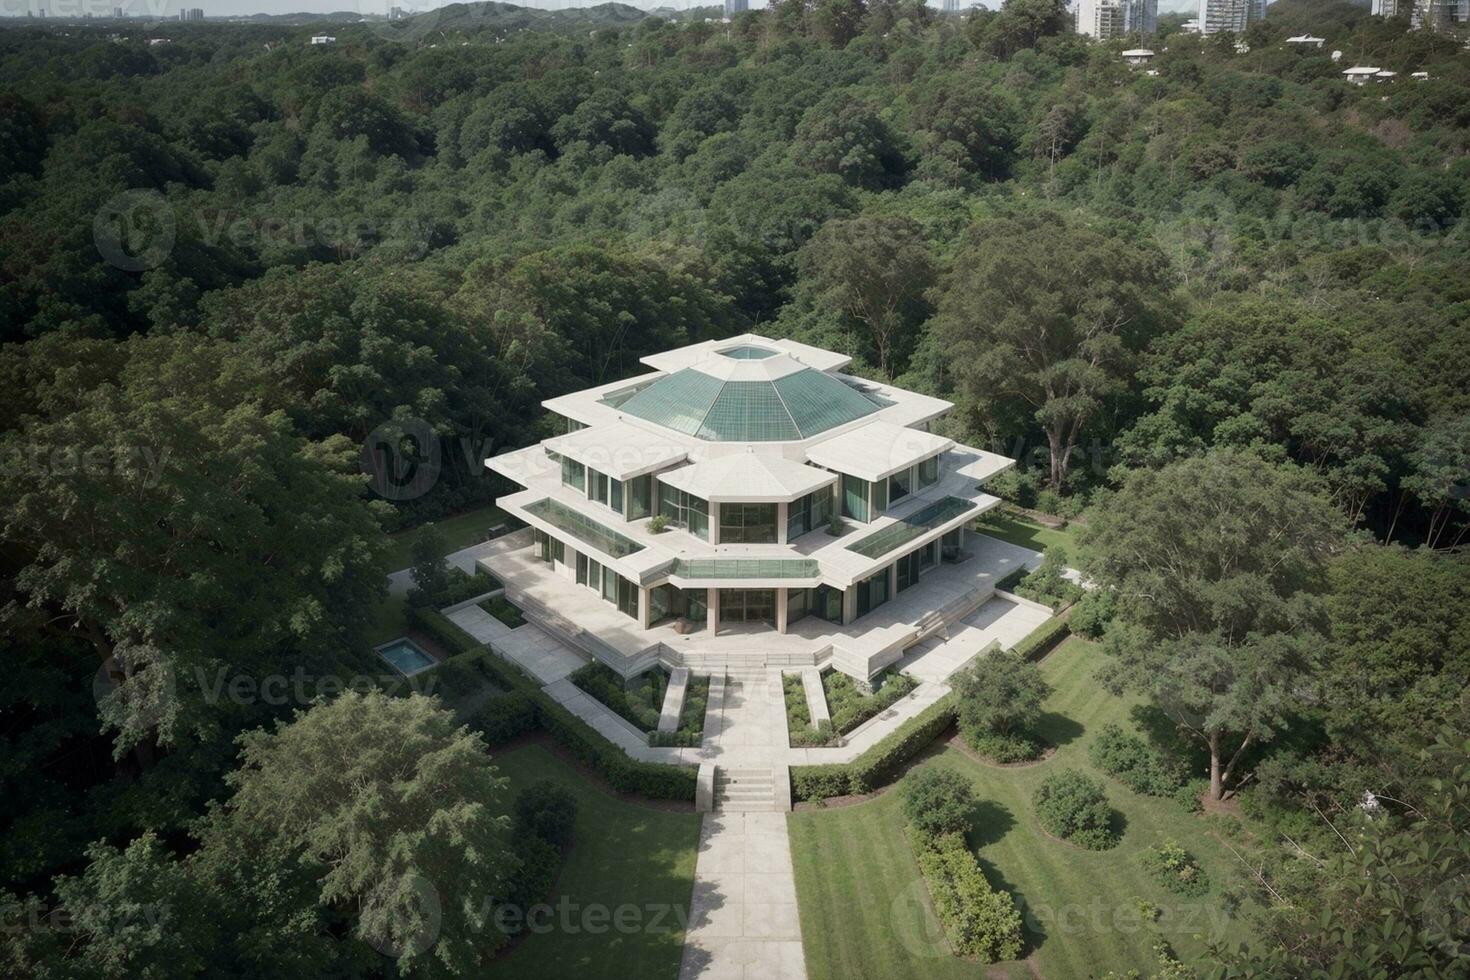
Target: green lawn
1024, 531
460, 531
865, 912
390, 620
628, 864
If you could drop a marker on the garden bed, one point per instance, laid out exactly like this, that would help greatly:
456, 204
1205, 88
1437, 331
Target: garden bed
501, 608
639, 700
850, 706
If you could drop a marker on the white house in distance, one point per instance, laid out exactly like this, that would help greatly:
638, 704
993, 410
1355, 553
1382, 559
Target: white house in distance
323, 39
813, 518
1138, 56
1302, 41
1361, 74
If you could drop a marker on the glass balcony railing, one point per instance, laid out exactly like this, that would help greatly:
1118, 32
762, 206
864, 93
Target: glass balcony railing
584, 528
707, 568
906, 529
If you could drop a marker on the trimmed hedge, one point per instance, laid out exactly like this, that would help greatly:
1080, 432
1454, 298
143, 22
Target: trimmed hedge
1134, 762
1042, 640
526, 708
880, 764
441, 630
850, 707
978, 920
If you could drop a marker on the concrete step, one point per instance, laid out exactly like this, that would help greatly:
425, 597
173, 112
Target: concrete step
745, 790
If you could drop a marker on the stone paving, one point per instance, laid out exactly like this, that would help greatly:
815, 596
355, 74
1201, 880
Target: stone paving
743, 922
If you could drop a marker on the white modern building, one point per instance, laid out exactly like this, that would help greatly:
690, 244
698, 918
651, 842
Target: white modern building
1304, 41
746, 499
1434, 15
1233, 16
1107, 19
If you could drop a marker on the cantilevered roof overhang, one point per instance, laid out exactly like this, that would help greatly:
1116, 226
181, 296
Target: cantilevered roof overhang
748, 478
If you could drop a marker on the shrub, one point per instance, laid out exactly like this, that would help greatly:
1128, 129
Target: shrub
1002, 749
1093, 612
500, 607
881, 763
978, 920
639, 700
546, 810
529, 883
1191, 796
999, 697
658, 524
1008, 581
1015, 485
1046, 585
503, 718
1042, 640
1134, 762
937, 801
849, 706
800, 731
1073, 806
1176, 869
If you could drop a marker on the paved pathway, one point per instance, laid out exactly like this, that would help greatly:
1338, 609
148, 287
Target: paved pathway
743, 922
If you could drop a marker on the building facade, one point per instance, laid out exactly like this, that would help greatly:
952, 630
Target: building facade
1232, 16
1107, 19
733, 7
746, 495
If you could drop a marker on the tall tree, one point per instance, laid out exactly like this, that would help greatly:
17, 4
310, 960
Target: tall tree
1219, 564
874, 269
1048, 314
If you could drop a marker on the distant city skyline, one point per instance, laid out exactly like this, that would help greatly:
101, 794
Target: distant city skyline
170, 9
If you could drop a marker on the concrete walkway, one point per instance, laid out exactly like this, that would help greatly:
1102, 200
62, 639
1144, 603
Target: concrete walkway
743, 922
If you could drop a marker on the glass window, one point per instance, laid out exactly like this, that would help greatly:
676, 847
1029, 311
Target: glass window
661, 603
797, 604
748, 606
928, 554
826, 603
880, 498
610, 581
872, 592
928, 470
900, 485
542, 542
747, 524
573, 474
597, 486
594, 575
808, 513
854, 498
640, 497
627, 598
684, 510
615, 494
908, 571
581, 569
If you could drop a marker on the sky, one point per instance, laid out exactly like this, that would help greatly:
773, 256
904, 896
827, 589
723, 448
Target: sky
169, 9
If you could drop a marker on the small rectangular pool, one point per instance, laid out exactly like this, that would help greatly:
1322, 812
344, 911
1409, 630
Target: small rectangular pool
406, 656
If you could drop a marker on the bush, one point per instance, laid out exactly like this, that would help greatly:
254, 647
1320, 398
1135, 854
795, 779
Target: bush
1008, 581
937, 801
506, 717
1176, 869
1073, 806
800, 732
1093, 612
1015, 485
1134, 762
1002, 749
500, 607
999, 697
880, 764
1191, 796
547, 811
1047, 586
1042, 640
528, 884
978, 920
639, 700
849, 706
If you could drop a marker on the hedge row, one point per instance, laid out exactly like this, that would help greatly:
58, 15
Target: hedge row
1042, 640
978, 920
527, 708
880, 764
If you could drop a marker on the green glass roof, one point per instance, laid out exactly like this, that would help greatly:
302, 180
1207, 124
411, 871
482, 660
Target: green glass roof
583, 528
906, 529
797, 406
747, 568
748, 353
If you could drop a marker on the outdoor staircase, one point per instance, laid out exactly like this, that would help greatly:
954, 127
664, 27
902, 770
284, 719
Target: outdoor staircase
745, 790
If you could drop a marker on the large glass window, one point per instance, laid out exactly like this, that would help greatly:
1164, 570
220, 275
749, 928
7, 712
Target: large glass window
748, 606
573, 474
808, 513
627, 597
610, 580
615, 494
854, 498
684, 510
872, 592
880, 498
542, 542
826, 603
597, 486
928, 471
747, 523
900, 485
911, 564
640, 497
798, 605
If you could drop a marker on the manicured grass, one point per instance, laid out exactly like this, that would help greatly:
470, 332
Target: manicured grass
866, 913
623, 856
1024, 531
390, 620
460, 531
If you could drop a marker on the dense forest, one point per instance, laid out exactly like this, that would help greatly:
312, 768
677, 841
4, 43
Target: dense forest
228, 260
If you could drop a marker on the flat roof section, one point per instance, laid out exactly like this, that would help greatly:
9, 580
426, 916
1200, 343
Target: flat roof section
915, 525
583, 528
748, 478
877, 449
620, 450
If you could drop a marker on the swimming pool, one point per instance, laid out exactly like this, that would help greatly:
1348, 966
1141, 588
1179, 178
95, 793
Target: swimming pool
406, 656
